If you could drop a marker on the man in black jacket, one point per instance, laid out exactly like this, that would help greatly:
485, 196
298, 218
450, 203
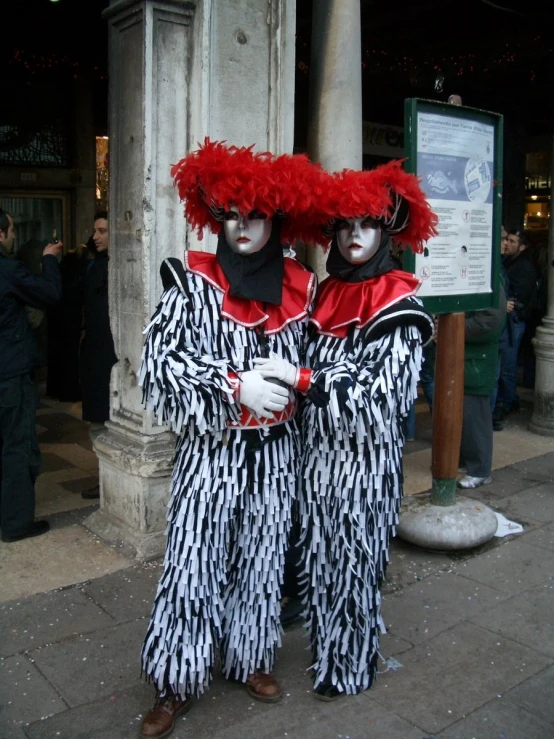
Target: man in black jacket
522, 285
19, 451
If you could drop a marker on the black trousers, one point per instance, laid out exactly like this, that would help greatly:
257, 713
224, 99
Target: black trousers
477, 435
19, 454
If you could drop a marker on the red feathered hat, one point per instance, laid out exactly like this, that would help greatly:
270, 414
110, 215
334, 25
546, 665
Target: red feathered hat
388, 194
216, 177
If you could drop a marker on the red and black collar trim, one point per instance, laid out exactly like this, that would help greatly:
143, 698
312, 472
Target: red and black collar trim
298, 287
340, 304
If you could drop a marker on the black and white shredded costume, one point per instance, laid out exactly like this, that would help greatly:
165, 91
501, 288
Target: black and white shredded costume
365, 375
232, 486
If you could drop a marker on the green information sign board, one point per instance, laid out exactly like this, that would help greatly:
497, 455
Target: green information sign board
457, 153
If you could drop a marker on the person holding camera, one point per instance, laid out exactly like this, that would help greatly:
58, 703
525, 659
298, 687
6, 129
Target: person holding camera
19, 450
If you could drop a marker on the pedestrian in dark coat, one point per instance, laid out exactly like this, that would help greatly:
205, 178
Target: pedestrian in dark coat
97, 348
19, 450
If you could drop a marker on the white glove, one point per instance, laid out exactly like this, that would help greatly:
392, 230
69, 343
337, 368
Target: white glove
260, 395
277, 367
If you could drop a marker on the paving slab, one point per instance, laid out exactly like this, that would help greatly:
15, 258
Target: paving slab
127, 594
512, 567
392, 645
352, 717
539, 468
226, 712
46, 618
445, 678
62, 428
424, 609
505, 482
417, 472
542, 537
81, 484
527, 618
12, 732
53, 497
535, 695
51, 462
75, 454
535, 504
86, 668
25, 695
116, 716
501, 719
409, 564
62, 475
63, 556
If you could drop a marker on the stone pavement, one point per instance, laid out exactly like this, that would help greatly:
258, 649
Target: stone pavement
469, 651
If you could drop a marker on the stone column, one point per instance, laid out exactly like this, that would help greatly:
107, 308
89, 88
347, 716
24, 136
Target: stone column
542, 420
335, 105
179, 70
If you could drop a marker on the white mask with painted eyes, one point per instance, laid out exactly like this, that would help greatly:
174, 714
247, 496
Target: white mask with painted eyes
358, 239
246, 234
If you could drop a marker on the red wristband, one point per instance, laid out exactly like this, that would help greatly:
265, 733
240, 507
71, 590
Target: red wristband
235, 384
303, 380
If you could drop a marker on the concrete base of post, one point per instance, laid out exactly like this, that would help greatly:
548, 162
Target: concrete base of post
464, 525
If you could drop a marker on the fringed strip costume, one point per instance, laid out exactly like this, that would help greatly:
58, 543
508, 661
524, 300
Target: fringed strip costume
232, 486
365, 354
351, 485
236, 469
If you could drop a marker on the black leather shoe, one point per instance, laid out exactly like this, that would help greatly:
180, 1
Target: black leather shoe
92, 493
326, 692
291, 610
36, 528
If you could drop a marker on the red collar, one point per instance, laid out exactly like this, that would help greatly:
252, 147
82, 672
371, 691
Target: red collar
340, 304
298, 287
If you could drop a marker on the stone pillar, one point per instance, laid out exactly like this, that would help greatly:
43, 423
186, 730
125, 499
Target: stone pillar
335, 104
542, 420
179, 70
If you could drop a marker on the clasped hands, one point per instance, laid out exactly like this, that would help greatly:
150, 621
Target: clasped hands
257, 392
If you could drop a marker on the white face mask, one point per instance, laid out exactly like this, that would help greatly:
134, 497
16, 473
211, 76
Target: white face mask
358, 239
246, 234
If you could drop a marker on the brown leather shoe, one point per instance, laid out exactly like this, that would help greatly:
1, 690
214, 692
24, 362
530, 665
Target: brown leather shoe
263, 687
160, 721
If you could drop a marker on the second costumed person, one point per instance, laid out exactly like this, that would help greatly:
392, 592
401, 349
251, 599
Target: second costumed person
365, 352
238, 452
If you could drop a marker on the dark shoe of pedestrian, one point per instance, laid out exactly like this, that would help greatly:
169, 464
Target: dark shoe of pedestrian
92, 493
160, 721
326, 692
498, 417
291, 610
263, 687
34, 529
468, 482
499, 412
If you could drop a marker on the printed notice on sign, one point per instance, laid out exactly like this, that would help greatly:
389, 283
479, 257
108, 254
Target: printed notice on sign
455, 161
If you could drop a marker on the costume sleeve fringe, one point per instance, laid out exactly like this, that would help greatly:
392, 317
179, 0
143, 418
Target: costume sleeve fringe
182, 387
370, 394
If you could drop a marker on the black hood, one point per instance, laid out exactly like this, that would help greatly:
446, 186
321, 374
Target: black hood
379, 264
256, 276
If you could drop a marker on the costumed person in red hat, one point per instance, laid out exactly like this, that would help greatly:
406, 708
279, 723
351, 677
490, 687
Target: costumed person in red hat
365, 353
237, 455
